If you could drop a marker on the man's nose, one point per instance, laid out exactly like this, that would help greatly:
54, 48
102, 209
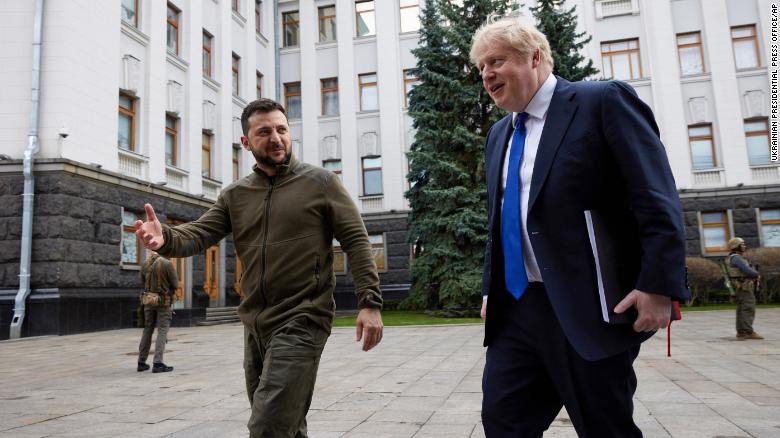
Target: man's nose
275, 137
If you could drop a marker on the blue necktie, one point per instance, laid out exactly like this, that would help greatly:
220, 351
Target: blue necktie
511, 235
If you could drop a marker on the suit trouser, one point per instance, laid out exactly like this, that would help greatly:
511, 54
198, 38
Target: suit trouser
746, 310
280, 371
532, 371
159, 317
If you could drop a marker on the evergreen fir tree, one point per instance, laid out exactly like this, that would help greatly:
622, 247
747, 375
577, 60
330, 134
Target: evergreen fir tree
452, 114
560, 27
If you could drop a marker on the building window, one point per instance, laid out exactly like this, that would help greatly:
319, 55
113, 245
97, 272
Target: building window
702, 146
339, 258
372, 176
329, 88
368, 92
126, 131
292, 99
290, 28
236, 156
171, 140
410, 15
235, 4
259, 16
757, 139
364, 17
207, 61
770, 227
377, 242
410, 81
131, 245
236, 67
205, 167
690, 53
620, 59
334, 166
745, 45
173, 29
259, 84
130, 12
327, 23
715, 231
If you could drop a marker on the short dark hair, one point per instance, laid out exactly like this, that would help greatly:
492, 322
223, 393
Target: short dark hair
262, 105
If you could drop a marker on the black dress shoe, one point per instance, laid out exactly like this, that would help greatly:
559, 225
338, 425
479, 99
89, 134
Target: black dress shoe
142, 366
161, 368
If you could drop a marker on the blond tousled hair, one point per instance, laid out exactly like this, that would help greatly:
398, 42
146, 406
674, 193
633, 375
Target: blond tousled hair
513, 31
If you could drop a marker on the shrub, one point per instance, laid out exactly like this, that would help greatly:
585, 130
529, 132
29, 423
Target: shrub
704, 276
767, 261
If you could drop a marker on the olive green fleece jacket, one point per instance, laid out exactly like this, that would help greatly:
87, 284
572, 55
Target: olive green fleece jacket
283, 228
158, 275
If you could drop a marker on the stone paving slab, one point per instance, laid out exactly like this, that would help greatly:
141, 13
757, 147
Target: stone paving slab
419, 382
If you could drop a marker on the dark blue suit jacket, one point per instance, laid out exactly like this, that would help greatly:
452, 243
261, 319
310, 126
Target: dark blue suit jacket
599, 150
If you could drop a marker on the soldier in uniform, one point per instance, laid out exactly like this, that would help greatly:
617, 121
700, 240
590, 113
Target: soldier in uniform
158, 276
743, 278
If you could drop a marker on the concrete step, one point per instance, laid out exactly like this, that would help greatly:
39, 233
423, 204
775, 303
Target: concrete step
207, 323
220, 315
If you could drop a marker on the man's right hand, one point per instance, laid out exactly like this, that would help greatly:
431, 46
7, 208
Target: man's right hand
150, 232
483, 312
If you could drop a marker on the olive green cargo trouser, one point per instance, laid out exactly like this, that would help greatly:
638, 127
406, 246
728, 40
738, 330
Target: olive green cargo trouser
159, 317
746, 310
280, 372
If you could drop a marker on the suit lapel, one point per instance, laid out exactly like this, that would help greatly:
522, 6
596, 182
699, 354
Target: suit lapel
559, 116
504, 131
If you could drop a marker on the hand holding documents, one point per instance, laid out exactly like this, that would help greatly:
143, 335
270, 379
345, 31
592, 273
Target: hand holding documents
616, 274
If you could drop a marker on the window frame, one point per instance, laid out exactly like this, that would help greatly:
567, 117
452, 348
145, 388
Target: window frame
175, 25
286, 23
363, 85
364, 169
324, 90
413, 80
259, 84
135, 14
710, 137
288, 95
338, 252
235, 159
131, 113
763, 222
753, 37
138, 245
725, 224
764, 133
235, 67
175, 133
372, 11
235, 6
259, 16
689, 45
207, 50
321, 18
401, 7
208, 148
628, 51
339, 171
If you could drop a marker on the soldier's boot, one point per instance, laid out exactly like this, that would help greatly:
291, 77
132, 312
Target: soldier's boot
753, 335
142, 366
161, 368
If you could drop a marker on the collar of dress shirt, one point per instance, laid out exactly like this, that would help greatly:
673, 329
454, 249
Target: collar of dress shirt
539, 104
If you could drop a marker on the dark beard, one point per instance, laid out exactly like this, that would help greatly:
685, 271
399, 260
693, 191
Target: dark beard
268, 161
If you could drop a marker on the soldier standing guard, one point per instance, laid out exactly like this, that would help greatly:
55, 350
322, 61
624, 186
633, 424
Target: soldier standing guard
160, 283
744, 278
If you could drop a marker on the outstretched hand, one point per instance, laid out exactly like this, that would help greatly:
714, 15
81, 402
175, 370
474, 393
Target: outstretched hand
368, 327
150, 232
654, 310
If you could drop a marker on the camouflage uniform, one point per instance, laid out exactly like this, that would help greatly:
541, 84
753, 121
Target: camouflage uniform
744, 283
158, 275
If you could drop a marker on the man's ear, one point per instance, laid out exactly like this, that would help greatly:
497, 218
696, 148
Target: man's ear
245, 142
536, 59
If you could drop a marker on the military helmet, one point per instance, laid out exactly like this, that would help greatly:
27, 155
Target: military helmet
735, 242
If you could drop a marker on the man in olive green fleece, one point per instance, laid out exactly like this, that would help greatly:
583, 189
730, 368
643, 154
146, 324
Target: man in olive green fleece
283, 217
158, 276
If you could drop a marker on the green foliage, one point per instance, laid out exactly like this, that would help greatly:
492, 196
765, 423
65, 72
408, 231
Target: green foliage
452, 114
560, 27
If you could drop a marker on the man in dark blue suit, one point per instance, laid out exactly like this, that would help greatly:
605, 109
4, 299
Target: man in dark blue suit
567, 148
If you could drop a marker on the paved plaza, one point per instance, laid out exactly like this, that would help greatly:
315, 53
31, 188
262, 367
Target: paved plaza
419, 382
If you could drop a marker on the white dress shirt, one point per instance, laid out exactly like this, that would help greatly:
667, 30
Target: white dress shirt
537, 114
